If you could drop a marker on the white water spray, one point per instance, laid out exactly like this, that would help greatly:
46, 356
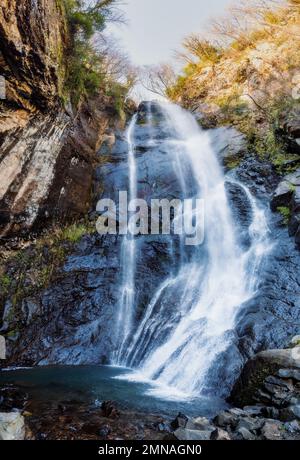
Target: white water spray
128, 257
210, 289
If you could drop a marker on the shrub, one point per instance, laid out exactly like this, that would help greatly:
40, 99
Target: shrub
285, 212
85, 73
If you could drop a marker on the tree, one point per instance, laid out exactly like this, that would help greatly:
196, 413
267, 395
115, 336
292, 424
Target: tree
89, 16
201, 49
158, 79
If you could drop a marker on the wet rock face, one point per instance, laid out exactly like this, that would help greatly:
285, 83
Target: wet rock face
291, 131
74, 320
271, 378
230, 144
287, 196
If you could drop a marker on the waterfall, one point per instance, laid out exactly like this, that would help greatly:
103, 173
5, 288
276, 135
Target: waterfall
128, 258
176, 352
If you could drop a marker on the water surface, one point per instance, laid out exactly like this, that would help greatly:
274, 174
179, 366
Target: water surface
94, 384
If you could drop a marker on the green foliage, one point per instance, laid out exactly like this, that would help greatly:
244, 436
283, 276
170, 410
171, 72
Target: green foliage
87, 19
74, 232
5, 283
118, 93
87, 23
232, 162
285, 212
86, 74
84, 77
204, 50
34, 268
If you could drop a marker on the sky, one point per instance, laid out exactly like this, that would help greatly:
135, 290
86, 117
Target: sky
156, 28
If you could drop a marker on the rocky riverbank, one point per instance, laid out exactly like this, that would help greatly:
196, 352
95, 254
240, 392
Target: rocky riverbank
266, 396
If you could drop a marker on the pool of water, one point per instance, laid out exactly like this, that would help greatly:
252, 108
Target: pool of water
94, 384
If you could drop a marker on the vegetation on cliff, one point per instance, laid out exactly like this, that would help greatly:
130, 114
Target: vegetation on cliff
32, 268
246, 75
93, 64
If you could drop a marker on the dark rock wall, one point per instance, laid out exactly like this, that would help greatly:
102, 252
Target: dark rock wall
73, 321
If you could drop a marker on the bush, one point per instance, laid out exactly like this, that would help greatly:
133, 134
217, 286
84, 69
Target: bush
85, 73
285, 212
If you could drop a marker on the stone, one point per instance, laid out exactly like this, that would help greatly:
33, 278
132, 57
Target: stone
235, 411
250, 387
104, 431
294, 342
220, 435
290, 413
284, 192
199, 423
183, 434
244, 434
109, 409
292, 427
272, 430
180, 421
271, 412
225, 419
253, 410
250, 424
12, 426
289, 374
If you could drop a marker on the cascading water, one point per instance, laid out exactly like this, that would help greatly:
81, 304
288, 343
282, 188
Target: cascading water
128, 256
211, 285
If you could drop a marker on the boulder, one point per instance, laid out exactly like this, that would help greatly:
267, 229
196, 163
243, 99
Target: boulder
12, 426
289, 374
292, 427
244, 435
220, 435
292, 126
285, 190
199, 423
292, 130
294, 342
250, 424
183, 434
253, 410
258, 384
225, 419
290, 413
180, 421
272, 430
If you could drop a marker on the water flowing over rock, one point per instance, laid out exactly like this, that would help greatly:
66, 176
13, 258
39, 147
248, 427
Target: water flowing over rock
193, 314
211, 280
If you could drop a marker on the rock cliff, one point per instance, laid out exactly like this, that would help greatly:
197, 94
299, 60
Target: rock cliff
47, 153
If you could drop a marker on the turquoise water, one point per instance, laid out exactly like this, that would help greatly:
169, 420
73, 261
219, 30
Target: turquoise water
94, 384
